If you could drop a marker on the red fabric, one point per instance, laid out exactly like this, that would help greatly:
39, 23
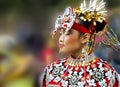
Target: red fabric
116, 84
44, 81
80, 28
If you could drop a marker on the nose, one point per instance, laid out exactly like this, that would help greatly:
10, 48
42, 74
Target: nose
61, 38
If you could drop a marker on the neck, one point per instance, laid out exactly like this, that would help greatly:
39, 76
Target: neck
79, 55
83, 58
82, 61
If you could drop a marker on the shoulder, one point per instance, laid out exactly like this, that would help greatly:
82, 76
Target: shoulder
55, 68
106, 69
102, 72
105, 65
111, 74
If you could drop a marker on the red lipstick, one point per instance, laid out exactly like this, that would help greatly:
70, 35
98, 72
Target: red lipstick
60, 45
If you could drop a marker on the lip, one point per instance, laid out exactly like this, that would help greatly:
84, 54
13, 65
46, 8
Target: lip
60, 45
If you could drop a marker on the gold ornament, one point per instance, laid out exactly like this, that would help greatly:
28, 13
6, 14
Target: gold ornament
77, 11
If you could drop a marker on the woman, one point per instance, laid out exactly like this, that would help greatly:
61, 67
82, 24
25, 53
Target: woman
79, 30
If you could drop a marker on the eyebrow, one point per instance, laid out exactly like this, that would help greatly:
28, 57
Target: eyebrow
64, 30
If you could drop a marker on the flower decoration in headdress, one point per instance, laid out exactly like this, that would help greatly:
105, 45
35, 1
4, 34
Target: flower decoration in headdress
66, 20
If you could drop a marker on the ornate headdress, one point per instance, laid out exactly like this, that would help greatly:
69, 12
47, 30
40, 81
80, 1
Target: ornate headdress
88, 18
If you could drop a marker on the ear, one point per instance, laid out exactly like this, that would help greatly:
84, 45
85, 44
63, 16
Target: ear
85, 38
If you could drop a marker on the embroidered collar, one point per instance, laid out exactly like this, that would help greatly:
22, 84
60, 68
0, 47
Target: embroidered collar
81, 61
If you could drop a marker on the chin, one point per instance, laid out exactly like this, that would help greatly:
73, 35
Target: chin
63, 51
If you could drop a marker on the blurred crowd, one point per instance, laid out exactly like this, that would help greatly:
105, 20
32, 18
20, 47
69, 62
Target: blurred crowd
26, 45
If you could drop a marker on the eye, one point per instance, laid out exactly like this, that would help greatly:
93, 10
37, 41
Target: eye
67, 33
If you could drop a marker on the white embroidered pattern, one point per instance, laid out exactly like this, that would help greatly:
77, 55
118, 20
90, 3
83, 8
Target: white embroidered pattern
68, 76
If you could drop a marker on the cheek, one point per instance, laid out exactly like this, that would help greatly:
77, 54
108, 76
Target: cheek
72, 42
69, 41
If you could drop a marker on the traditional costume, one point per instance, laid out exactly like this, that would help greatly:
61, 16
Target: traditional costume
89, 71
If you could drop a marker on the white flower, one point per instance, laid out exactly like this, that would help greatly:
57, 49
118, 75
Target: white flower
75, 73
81, 84
64, 83
81, 72
112, 79
103, 83
70, 72
109, 74
91, 82
100, 66
90, 71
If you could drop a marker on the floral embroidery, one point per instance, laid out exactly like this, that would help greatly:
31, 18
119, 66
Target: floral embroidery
56, 71
66, 20
69, 76
109, 74
98, 75
103, 83
74, 80
91, 82
64, 83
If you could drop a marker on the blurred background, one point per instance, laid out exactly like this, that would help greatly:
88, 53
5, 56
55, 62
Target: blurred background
26, 46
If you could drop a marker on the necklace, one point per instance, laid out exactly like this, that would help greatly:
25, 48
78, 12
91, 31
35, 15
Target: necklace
82, 61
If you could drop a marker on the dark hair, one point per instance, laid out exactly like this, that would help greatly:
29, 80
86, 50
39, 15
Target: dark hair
99, 25
80, 34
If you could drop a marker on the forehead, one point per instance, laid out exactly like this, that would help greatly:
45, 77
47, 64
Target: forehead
64, 30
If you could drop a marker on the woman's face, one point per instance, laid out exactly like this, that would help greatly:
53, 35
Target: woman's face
69, 42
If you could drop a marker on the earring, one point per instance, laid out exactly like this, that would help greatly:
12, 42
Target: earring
90, 44
84, 53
